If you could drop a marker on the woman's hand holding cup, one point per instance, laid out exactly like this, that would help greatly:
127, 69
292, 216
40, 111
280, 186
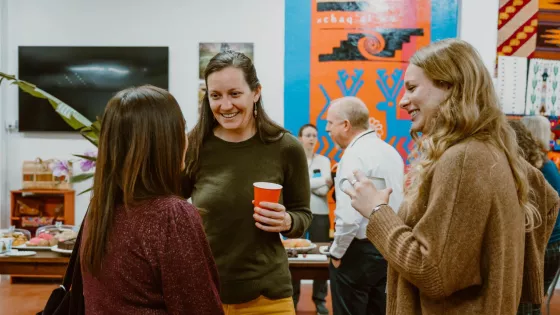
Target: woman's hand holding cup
269, 215
364, 195
272, 217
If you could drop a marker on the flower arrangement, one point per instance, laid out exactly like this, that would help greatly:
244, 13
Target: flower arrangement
89, 130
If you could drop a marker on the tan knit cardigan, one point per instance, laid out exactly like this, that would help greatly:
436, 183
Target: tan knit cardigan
461, 247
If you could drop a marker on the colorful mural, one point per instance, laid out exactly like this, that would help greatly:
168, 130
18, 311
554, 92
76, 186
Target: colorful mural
357, 48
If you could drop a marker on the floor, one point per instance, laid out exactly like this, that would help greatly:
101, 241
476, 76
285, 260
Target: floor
28, 299
306, 305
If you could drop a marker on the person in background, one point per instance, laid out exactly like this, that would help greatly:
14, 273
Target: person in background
470, 235
144, 249
319, 167
534, 151
358, 272
234, 145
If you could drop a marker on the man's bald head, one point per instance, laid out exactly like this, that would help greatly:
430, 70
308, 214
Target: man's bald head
352, 109
346, 118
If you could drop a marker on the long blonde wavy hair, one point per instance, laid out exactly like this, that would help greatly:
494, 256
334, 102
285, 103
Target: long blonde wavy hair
471, 110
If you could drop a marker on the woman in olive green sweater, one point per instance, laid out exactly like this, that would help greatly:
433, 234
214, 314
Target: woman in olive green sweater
234, 145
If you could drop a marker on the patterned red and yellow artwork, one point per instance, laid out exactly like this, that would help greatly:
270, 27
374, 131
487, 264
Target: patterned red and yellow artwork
517, 27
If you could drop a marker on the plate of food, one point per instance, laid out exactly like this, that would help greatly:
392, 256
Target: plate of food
65, 245
20, 253
30, 247
299, 245
18, 236
61, 250
324, 250
46, 240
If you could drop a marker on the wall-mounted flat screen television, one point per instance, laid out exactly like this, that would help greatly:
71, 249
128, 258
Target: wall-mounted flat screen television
85, 78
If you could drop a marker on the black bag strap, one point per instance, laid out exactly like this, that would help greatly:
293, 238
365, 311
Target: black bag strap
67, 282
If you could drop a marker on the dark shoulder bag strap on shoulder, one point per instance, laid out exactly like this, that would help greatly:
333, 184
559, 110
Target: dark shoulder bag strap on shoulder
68, 298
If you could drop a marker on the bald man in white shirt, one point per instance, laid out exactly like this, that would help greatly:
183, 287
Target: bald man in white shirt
358, 272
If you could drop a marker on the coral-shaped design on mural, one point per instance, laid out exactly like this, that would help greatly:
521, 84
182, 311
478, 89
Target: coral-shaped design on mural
349, 85
398, 130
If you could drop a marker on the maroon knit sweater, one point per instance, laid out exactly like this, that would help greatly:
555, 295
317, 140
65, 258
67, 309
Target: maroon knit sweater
158, 262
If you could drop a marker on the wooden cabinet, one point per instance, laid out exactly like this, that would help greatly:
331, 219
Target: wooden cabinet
55, 205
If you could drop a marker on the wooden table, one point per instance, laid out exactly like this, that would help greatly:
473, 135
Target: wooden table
44, 263
47, 263
310, 270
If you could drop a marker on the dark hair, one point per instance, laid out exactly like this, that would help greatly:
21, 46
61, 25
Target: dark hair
529, 147
300, 132
267, 129
141, 146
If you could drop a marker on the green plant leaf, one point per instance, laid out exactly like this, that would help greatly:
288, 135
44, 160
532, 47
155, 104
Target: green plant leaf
85, 191
29, 89
85, 157
9, 77
89, 132
93, 139
96, 126
70, 120
81, 177
72, 117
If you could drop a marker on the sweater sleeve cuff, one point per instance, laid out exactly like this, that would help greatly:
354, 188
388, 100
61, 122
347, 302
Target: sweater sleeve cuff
380, 225
293, 231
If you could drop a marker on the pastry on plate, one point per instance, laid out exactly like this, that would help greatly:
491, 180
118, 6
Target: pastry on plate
67, 244
296, 243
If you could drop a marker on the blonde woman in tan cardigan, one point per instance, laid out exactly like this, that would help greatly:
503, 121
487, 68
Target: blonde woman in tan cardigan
468, 239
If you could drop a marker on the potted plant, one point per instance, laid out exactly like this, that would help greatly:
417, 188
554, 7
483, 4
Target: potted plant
89, 130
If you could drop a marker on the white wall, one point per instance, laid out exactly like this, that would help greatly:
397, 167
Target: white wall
181, 25
3, 191
478, 24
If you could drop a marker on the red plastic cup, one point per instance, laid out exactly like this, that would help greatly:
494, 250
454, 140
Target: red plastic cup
264, 191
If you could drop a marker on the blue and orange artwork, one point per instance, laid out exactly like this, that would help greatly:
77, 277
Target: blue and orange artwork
357, 48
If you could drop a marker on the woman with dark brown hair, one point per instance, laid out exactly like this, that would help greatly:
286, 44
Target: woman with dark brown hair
234, 145
144, 250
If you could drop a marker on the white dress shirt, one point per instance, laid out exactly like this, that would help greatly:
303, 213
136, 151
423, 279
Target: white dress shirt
375, 158
319, 171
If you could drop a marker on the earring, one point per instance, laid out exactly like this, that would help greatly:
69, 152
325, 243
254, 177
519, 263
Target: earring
255, 110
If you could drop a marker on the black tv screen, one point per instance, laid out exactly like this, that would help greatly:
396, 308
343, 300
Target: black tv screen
85, 78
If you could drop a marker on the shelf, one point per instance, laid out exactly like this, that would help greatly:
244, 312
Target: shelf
51, 200
19, 218
43, 191
523, 115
